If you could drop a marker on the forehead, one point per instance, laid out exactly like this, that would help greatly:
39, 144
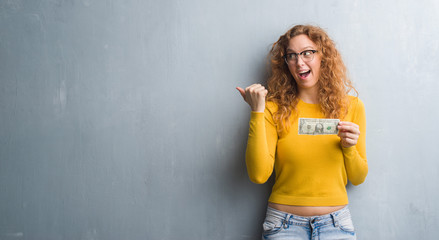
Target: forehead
300, 43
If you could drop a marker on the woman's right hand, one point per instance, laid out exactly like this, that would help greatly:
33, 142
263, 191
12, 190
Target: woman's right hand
254, 95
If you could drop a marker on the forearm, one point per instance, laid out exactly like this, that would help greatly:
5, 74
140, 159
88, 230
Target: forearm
355, 156
356, 165
259, 160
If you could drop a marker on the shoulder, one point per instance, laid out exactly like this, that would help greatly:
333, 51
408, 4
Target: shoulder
355, 103
356, 108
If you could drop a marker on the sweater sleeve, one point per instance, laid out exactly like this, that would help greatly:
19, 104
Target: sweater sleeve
261, 146
355, 156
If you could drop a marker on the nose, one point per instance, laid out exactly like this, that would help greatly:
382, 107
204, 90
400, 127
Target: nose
299, 60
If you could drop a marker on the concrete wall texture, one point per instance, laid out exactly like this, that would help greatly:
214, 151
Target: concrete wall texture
120, 119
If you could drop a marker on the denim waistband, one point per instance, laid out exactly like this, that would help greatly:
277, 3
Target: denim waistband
302, 220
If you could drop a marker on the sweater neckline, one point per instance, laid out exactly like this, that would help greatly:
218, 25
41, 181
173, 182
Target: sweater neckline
311, 105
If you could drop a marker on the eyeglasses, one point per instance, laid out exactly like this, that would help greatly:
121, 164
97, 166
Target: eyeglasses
307, 55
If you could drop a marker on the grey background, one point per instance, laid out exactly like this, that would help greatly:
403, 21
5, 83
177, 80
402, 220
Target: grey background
120, 119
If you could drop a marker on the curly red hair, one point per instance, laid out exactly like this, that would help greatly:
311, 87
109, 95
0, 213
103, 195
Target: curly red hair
334, 84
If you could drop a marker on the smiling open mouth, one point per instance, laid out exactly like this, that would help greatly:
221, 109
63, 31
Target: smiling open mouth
304, 74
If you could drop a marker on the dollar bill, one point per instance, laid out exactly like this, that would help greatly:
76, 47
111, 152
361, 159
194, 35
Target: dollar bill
318, 126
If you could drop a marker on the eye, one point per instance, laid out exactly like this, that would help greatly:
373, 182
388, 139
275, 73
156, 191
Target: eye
307, 53
291, 56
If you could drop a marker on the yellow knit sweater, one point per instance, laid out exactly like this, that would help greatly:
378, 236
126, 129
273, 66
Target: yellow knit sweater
311, 170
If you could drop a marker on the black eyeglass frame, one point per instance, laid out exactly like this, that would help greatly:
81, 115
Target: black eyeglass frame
297, 55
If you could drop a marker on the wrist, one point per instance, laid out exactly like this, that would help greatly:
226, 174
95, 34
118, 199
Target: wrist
258, 109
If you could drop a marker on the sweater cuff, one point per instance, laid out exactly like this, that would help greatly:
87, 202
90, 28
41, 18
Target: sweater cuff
256, 116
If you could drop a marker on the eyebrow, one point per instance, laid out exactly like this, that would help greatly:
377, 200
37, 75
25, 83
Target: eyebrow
289, 50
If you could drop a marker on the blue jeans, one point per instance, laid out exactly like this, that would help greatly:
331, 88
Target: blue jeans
280, 225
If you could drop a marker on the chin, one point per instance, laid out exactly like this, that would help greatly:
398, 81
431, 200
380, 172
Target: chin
310, 83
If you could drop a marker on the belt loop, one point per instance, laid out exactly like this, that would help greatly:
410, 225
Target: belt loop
286, 221
334, 219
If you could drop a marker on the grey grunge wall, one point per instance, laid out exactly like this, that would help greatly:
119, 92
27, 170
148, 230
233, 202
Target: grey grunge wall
120, 119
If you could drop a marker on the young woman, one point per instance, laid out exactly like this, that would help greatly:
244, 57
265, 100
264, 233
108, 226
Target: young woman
308, 80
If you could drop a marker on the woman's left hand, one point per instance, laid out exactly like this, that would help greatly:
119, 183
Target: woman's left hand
348, 133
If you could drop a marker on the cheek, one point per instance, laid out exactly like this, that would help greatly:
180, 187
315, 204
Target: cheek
317, 67
291, 70
318, 64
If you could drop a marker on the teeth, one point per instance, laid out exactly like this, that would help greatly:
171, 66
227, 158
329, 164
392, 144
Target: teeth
304, 71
